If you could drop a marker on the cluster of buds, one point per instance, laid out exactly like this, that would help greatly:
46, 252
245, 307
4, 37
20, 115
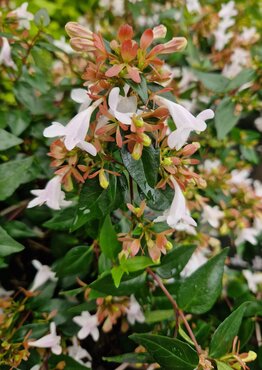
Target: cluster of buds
143, 235
125, 58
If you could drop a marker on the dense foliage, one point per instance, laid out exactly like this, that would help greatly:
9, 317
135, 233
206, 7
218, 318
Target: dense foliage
130, 182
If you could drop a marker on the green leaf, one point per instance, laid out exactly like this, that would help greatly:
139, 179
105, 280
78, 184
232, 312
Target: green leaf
70, 363
117, 273
174, 262
8, 245
249, 154
213, 81
129, 284
158, 316
246, 75
185, 336
108, 242
13, 174
38, 330
138, 172
140, 88
42, 18
8, 140
168, 352
62, 220
225, 118
131, 358
151, 161
223, 366
223, 337
76, 261
136, 263
96, 202
199, 291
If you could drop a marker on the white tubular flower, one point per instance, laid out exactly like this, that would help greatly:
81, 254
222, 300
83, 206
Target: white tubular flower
78, 353
184, 121
89, 325
253, 280
193, 6
44, 273
228, 10
210, 165
177, 216
52, 195
63, 45
75, 131
5, 54
24, 17
80, 96
134, 312
240, 177
51, 341
212, 215
196, 260
247, 235
122, 107
258, 123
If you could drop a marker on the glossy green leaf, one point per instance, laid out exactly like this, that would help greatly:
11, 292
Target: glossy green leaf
8, 140
13, 174
108, 241
198, 293
168, 352
136, 263
140, 88
8, 245
174, 262
117, 273
76, 261
225, 118
62, 220
129, 284
131, 358
224, 335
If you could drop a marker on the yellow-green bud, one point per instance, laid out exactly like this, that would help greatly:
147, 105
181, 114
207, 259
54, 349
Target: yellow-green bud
103, 180
169, 246
167, 162
138, 122
146, 140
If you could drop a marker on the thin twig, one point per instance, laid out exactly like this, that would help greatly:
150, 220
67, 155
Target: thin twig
177, 310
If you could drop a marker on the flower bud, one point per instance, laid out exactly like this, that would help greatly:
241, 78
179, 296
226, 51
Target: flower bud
138, 122
80, 44
176, 44
103, 179
159, 32
190, 149
137, 151
167, 162
169, 246
75, 29
146, 140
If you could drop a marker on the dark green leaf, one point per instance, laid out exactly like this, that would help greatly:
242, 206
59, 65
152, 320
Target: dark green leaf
174, 262
168, 352
223, 337
62, 220
131, 358
109, 244
76, 261
246, 75
8, 140
8, 245
13, 174
70, 363
140, 88
199, 291
129, 284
